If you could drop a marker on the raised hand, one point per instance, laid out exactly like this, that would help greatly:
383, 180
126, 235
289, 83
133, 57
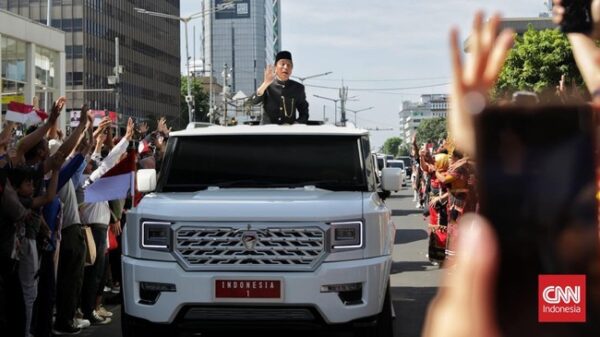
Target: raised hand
57, 160
269, 76
162, 126
130, 129
105, 123
143, 128
84, 145
58, 106
101, 138
472, 81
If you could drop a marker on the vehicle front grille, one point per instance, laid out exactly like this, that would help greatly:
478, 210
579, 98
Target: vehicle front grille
249, 314
250, 248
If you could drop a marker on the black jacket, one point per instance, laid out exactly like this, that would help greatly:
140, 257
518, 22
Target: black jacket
280, 102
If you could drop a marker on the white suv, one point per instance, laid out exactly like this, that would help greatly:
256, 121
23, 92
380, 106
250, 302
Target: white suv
260, 225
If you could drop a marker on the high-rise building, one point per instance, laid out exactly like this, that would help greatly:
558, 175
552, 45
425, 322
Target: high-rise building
149, 52
245, 36
412, 113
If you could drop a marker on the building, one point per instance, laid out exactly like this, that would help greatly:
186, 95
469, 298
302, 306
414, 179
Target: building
149, 53
245, 36
32, 59
412, 113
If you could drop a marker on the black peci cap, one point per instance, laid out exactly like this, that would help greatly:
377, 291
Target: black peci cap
284, 54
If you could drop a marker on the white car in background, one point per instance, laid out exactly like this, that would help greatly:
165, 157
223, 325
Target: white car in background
396, 163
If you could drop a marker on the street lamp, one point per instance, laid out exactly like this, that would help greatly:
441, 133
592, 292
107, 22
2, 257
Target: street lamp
185, 19
357, 111
334, 100
302, 79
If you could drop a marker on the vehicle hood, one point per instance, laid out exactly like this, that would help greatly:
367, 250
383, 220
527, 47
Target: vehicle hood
239, 204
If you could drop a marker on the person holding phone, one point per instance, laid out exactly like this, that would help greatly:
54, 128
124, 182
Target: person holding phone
466, 304
281, 97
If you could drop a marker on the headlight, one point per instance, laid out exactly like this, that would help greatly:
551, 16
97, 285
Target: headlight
156, 235
346, 235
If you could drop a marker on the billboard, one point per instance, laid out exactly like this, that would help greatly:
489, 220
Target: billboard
228, 9
98, 116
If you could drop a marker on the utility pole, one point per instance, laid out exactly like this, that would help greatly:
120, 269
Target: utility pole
232, 57
343, 98
115, 80
194, 53
225, 77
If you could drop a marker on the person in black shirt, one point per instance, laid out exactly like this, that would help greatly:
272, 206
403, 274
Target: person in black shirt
281, 97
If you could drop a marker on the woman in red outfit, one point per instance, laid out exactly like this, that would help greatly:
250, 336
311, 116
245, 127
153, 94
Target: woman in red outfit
438, 216
460, 181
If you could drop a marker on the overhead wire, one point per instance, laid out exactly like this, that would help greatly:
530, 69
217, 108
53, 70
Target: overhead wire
380, 80
379, 89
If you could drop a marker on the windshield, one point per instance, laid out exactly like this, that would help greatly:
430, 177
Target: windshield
397, 164
407, 161
328, 162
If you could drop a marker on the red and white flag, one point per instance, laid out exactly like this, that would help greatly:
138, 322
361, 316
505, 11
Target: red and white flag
114, 184
144, 147
24, 114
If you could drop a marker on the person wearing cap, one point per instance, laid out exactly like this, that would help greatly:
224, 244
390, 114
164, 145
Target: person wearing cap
281, 97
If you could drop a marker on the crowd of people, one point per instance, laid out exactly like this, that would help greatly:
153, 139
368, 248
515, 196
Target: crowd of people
443, 182
466, 304
58, 250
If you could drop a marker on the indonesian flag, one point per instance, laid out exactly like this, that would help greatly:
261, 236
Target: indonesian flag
24, 114
144, 147
114, 184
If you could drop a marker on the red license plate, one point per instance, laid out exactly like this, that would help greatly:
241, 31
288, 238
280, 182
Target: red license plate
247, 289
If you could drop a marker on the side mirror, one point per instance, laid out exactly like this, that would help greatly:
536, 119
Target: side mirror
391, 179
146, 180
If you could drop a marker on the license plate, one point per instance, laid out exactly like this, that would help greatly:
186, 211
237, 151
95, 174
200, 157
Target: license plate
247, 288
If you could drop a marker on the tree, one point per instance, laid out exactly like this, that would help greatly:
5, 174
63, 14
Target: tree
433, 129
404, 150
536, 63
391, 146
200, 100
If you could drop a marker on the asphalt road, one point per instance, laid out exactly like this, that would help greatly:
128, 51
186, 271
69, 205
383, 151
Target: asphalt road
414, 280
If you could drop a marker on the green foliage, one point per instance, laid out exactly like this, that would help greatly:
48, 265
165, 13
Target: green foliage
404, 150
200, 99
433, 129
536, 63
391, 146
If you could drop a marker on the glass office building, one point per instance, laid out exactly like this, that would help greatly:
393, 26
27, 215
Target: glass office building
32, 62
245, 36
149, 52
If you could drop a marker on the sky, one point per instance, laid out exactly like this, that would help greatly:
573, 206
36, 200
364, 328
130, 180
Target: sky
374, 47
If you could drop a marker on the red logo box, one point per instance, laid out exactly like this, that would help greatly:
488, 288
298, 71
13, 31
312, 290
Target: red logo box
561, 298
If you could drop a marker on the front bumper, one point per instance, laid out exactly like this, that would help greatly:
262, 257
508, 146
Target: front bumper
299, 289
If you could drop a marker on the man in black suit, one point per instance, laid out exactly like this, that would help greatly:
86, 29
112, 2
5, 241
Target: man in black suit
280, 96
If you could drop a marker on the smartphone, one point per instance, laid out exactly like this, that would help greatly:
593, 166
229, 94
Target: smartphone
577, 17
537, 186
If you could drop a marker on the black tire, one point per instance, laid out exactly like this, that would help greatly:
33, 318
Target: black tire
384, 326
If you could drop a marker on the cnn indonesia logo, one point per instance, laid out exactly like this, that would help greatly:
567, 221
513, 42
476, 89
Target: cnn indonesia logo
561, 298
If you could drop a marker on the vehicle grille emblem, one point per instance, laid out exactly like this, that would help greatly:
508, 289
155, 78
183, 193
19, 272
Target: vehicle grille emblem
250, 238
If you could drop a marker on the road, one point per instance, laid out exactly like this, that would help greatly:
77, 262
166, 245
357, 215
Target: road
414, 280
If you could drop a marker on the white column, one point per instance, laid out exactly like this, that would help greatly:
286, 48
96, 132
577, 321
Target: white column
29, 73
60, 78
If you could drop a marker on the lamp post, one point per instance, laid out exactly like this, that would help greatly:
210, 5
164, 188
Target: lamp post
302, 79
357, 111
185, 19
334, 100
